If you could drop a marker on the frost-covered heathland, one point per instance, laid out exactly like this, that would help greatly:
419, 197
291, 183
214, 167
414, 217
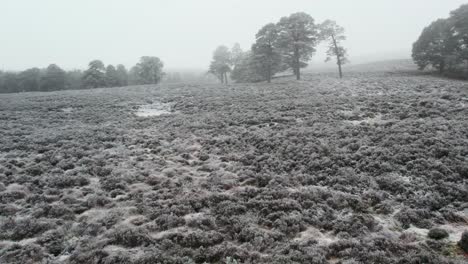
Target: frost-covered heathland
369, 169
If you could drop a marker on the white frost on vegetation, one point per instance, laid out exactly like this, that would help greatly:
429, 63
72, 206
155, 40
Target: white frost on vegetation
323, 239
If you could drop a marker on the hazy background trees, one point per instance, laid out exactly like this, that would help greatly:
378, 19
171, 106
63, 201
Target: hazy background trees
443, 45
122, 74
30, 80
221, 63
53, 79
148, 71
112, 77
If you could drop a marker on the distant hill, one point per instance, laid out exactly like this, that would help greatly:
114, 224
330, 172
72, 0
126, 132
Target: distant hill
378, 66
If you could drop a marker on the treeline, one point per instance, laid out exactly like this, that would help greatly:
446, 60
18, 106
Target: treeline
443, 45
286, 45
149, 70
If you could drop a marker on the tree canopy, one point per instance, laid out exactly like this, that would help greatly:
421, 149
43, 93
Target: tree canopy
443, 45
95, 76
149, 70
298, 37
266, 53
53, 79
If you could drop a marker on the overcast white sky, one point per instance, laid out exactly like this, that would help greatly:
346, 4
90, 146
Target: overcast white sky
184, 33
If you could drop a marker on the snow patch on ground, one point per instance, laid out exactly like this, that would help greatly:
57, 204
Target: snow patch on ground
455, 231
391, 226
67, 110
193, 216
162, 234
154, 109
370, 120
310, 233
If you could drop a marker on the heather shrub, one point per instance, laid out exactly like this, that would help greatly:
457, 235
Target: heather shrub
129, 236
22, 254
21, 228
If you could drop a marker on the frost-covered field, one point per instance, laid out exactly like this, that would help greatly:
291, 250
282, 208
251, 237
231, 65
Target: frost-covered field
316, 171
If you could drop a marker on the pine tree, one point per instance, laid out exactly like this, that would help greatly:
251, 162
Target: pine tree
434, 46
334, 34
298, 37
266, 55
53, 79
122, 75
221, 63
30, 79
148, 70
95, 76
112, 77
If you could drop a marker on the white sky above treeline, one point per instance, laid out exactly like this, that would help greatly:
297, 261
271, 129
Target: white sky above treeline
184, 33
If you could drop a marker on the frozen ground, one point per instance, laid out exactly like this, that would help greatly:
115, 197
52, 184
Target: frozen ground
315, 171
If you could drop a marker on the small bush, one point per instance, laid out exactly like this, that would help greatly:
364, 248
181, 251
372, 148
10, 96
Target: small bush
463, 243
438, 233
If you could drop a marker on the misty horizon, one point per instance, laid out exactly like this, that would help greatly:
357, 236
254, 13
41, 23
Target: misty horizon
184, 34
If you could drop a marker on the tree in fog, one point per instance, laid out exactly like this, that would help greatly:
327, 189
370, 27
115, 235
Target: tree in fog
148, 70
112, 77
443, 45
334, 35
133, 77
53, 79
236, 54
30, 79
459, 20
9, 82
122, 75
266, 55
434, 46
298, 37
245, 70
73, 80
2, 88
95, 75
221, 63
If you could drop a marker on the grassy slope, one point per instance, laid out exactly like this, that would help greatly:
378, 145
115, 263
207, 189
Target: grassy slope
315, 171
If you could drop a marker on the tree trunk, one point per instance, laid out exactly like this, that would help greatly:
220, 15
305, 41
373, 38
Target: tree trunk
338, 57
297, 65
442, 67
269, 74
466, 75
339, 69
298, 76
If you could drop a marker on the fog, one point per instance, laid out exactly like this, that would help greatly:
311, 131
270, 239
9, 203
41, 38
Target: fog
184, 33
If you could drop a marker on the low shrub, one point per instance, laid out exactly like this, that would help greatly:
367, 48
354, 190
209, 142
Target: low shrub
438, 233
21, 228
22, 254
129, 236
